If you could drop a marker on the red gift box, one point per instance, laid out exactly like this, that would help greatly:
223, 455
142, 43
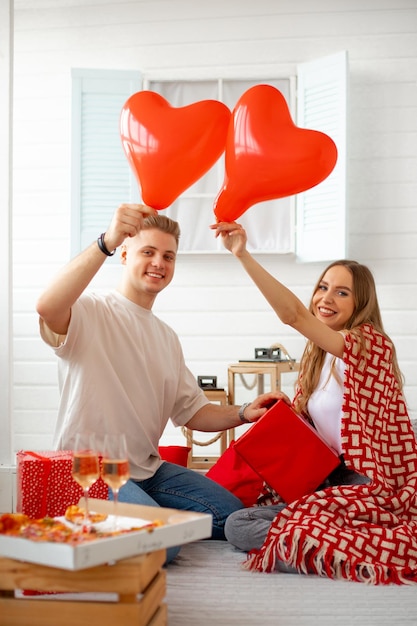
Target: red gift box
175, 454
287, 452
236, 475
45, 487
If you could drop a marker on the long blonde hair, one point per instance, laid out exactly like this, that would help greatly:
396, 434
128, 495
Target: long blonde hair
366, 311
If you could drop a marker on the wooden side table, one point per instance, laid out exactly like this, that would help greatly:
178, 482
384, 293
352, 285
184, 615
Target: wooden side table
204, 462
273, 369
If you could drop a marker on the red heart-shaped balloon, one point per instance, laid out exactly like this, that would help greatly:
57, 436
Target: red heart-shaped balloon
170, 148
267, 156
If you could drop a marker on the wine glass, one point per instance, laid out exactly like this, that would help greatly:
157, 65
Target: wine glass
115, 466
85, 465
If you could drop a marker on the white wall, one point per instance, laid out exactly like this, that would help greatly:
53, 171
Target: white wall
6, 79
219, 316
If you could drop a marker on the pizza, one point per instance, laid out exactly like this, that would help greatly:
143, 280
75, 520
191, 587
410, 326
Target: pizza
56, 530
75, 514
45, 529
12, 522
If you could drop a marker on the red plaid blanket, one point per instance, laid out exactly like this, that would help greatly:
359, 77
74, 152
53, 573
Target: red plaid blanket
366, 533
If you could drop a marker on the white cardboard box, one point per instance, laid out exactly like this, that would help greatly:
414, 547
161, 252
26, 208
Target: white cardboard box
179, 527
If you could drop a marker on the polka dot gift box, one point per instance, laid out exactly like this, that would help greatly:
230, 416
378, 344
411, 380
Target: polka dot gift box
45, 486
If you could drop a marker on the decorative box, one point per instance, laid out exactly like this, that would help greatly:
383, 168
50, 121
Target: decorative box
45, 486
175, 454
287, 452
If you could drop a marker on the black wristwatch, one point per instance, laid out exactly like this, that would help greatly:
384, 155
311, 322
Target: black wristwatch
242, 412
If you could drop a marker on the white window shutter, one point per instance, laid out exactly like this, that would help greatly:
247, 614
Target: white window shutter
101, 176
321, 211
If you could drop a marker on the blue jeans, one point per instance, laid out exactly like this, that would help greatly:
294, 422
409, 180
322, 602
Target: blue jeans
176, 487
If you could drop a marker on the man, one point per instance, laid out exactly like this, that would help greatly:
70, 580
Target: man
122, 369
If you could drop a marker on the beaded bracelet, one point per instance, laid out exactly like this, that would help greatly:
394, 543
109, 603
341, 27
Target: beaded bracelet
103, 247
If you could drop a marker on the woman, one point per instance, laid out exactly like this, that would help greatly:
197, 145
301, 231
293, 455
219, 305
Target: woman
362, 523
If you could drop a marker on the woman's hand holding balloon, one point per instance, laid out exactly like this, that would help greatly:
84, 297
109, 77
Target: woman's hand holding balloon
233, 236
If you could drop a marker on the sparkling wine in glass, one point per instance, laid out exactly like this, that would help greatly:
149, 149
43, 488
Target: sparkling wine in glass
115, 466
85, 465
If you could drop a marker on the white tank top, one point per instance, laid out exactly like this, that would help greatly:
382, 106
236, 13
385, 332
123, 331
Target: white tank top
325, 403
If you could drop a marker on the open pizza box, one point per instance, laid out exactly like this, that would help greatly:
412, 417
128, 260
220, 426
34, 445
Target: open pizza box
178, 527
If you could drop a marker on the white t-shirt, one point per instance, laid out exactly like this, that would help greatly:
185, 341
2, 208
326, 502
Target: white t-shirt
121, 368
325, 403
